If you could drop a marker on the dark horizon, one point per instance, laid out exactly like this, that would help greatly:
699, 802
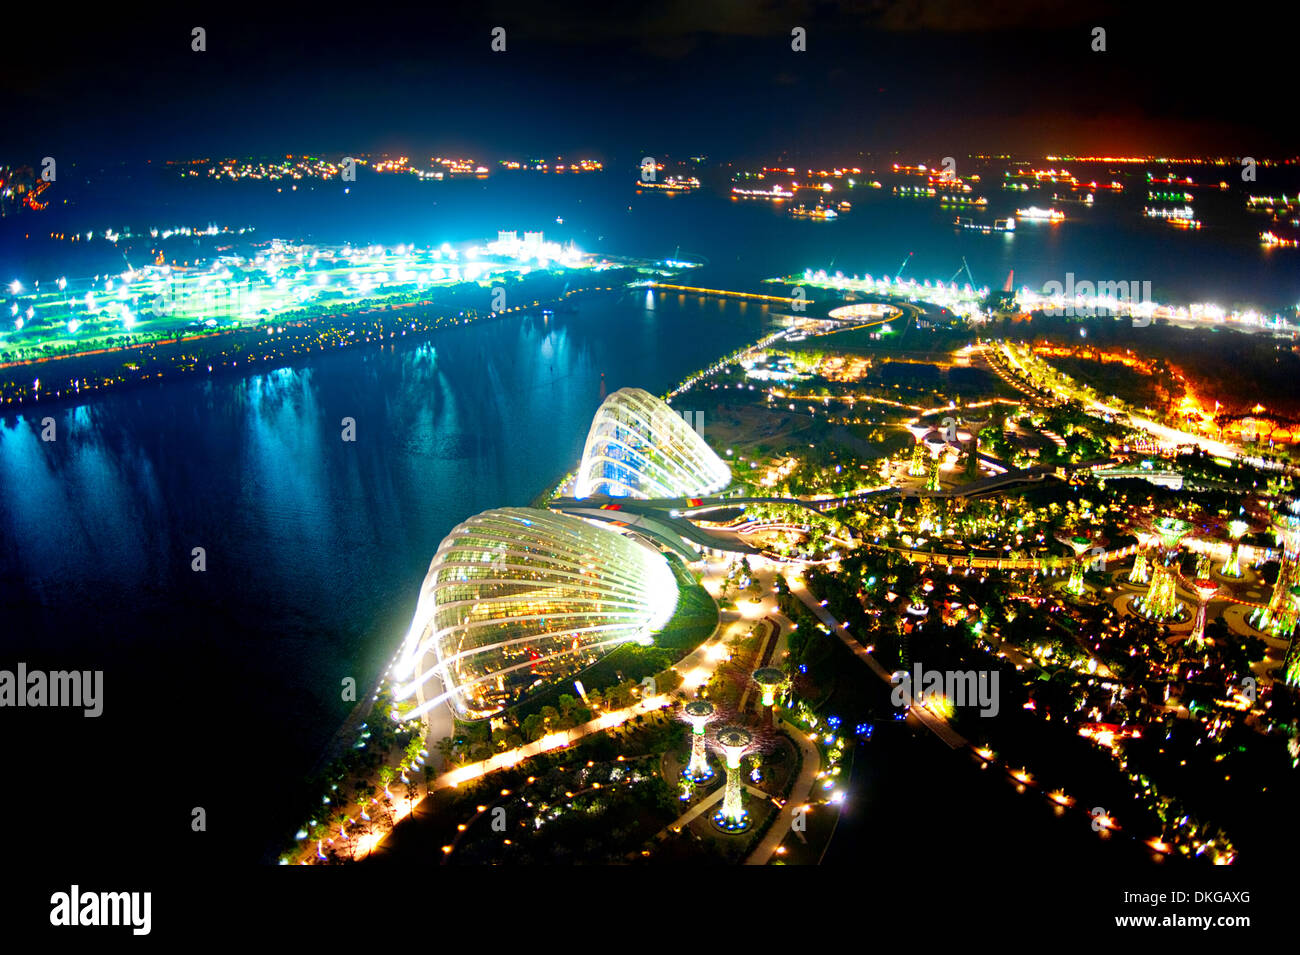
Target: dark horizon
687, 79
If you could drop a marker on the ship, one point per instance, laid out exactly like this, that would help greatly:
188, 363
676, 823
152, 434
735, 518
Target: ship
776, 193
1283, 242
1045, 215
820, 212
999, 225
672, 184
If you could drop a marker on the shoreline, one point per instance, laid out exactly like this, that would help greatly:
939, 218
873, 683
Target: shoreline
338, 325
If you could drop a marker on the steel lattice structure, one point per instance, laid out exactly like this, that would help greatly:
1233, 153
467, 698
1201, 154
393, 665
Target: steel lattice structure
519, 598
638, 446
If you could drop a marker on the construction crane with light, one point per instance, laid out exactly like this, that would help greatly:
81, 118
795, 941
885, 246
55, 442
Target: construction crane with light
903, 266
966, 268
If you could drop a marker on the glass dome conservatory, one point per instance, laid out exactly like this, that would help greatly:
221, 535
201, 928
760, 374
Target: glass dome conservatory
638, 446
519, 598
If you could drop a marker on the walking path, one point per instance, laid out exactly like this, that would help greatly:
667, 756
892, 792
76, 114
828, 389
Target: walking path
798, 796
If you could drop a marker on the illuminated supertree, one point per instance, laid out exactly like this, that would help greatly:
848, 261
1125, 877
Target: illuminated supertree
698, 713
1291, 664
1141, 571
1160, 602
1279, 616
937, 451
1205, 589
1081, 544
916, 466
769, 680
735, 742
1232, 567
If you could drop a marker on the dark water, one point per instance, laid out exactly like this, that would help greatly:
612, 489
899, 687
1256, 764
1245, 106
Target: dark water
315, 547
744, 241
223, 686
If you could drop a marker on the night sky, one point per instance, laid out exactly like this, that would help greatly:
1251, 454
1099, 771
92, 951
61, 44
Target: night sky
676, 77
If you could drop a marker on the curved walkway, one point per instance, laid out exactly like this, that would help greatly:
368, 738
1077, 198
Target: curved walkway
799, 793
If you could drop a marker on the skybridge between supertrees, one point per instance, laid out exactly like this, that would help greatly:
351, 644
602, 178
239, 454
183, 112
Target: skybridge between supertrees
1232, 566
734, 741
698, 713
1205, 589
1160, 602
1279, 616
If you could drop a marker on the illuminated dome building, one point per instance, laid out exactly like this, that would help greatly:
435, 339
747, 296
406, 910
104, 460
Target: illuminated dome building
640, 447
517, 599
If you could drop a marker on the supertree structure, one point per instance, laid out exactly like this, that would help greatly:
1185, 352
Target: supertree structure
1160, 602
1236, 529
967, 441
1291, 664
769, 680
735, 742
937, 451
698, 713
916, 465
1279, 616
1141, 572
1205, 589
1081, 543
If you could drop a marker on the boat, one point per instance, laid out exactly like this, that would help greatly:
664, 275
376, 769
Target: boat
845, 206
1160, 212
820, 212
1044, 215
999, 225
775, 193
672, 184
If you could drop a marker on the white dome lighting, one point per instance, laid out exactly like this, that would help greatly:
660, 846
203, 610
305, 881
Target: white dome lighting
518, 598
640, 447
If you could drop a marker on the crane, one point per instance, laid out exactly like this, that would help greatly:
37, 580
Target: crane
903, 266
966, 267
